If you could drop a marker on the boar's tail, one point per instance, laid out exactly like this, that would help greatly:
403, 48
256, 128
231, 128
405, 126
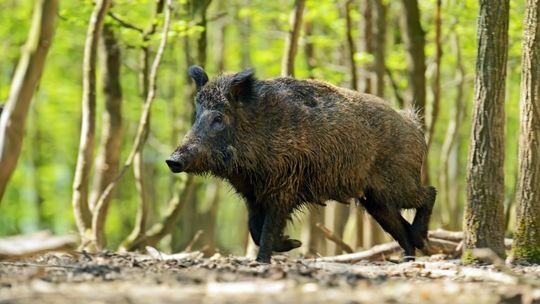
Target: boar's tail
413, 115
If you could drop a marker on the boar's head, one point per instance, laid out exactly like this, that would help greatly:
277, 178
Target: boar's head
209, 144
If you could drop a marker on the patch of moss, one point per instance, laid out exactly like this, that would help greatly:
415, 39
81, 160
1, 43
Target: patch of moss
468, 257
526, 253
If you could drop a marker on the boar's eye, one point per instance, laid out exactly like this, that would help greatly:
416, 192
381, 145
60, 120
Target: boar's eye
218, 119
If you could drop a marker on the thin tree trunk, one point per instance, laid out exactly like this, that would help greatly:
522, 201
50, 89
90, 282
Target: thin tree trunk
83, 216
379, 46
139, 168
202, 41
416, 64
446, 199
291, 44
108, 158
100, 212
245, 35
366, 45
309, 50
484, 211
23, 87
413, 37
351, 47
37, 162
526, 246
221, 32
436, 85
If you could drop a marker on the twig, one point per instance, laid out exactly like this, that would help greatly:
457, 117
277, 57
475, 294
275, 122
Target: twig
194, 240
332, 237
125, 23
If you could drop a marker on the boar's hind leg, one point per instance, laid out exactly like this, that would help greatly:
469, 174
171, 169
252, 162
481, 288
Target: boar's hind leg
419, 228
392, 222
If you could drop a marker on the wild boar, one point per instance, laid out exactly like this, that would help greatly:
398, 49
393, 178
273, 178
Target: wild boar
285, 143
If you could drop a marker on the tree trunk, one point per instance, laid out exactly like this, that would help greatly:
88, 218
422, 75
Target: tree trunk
108, 158
244, 28
416, 64
139, 167
448, 197
23, 87
436, 84
526, 246
379, 46
366, 45
100, 212
414, 40
484, 214
86, 147
291, 44
351, 47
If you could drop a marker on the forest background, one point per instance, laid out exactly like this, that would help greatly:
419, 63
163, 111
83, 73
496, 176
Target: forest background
364, 45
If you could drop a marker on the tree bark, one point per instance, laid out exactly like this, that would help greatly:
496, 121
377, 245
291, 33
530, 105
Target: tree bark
291, 44
526, 247
108, 158
81, 208
484, 214
23, 87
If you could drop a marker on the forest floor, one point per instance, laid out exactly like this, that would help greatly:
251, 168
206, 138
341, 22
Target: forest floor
134, 278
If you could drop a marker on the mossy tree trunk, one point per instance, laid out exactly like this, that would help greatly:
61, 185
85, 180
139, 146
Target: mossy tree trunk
484, 212
526, 245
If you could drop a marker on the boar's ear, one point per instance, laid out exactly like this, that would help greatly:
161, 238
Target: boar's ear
241, 88
198, 75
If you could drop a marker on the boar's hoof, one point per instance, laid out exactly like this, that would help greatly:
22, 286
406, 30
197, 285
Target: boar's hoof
407, 258
287, 244
263, 259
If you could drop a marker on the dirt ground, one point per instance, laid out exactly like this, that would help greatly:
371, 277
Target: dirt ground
132, 278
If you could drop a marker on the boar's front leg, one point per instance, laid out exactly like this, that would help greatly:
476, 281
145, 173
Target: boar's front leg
256, 219
274, 223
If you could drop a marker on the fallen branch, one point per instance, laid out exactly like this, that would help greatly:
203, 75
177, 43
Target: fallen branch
377, 252
380, 252
25, 246
457, 236
332, 237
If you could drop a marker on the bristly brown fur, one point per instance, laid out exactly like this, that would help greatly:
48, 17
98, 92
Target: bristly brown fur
294, 142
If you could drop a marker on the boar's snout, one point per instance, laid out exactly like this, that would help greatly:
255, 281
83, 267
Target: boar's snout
176, 165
